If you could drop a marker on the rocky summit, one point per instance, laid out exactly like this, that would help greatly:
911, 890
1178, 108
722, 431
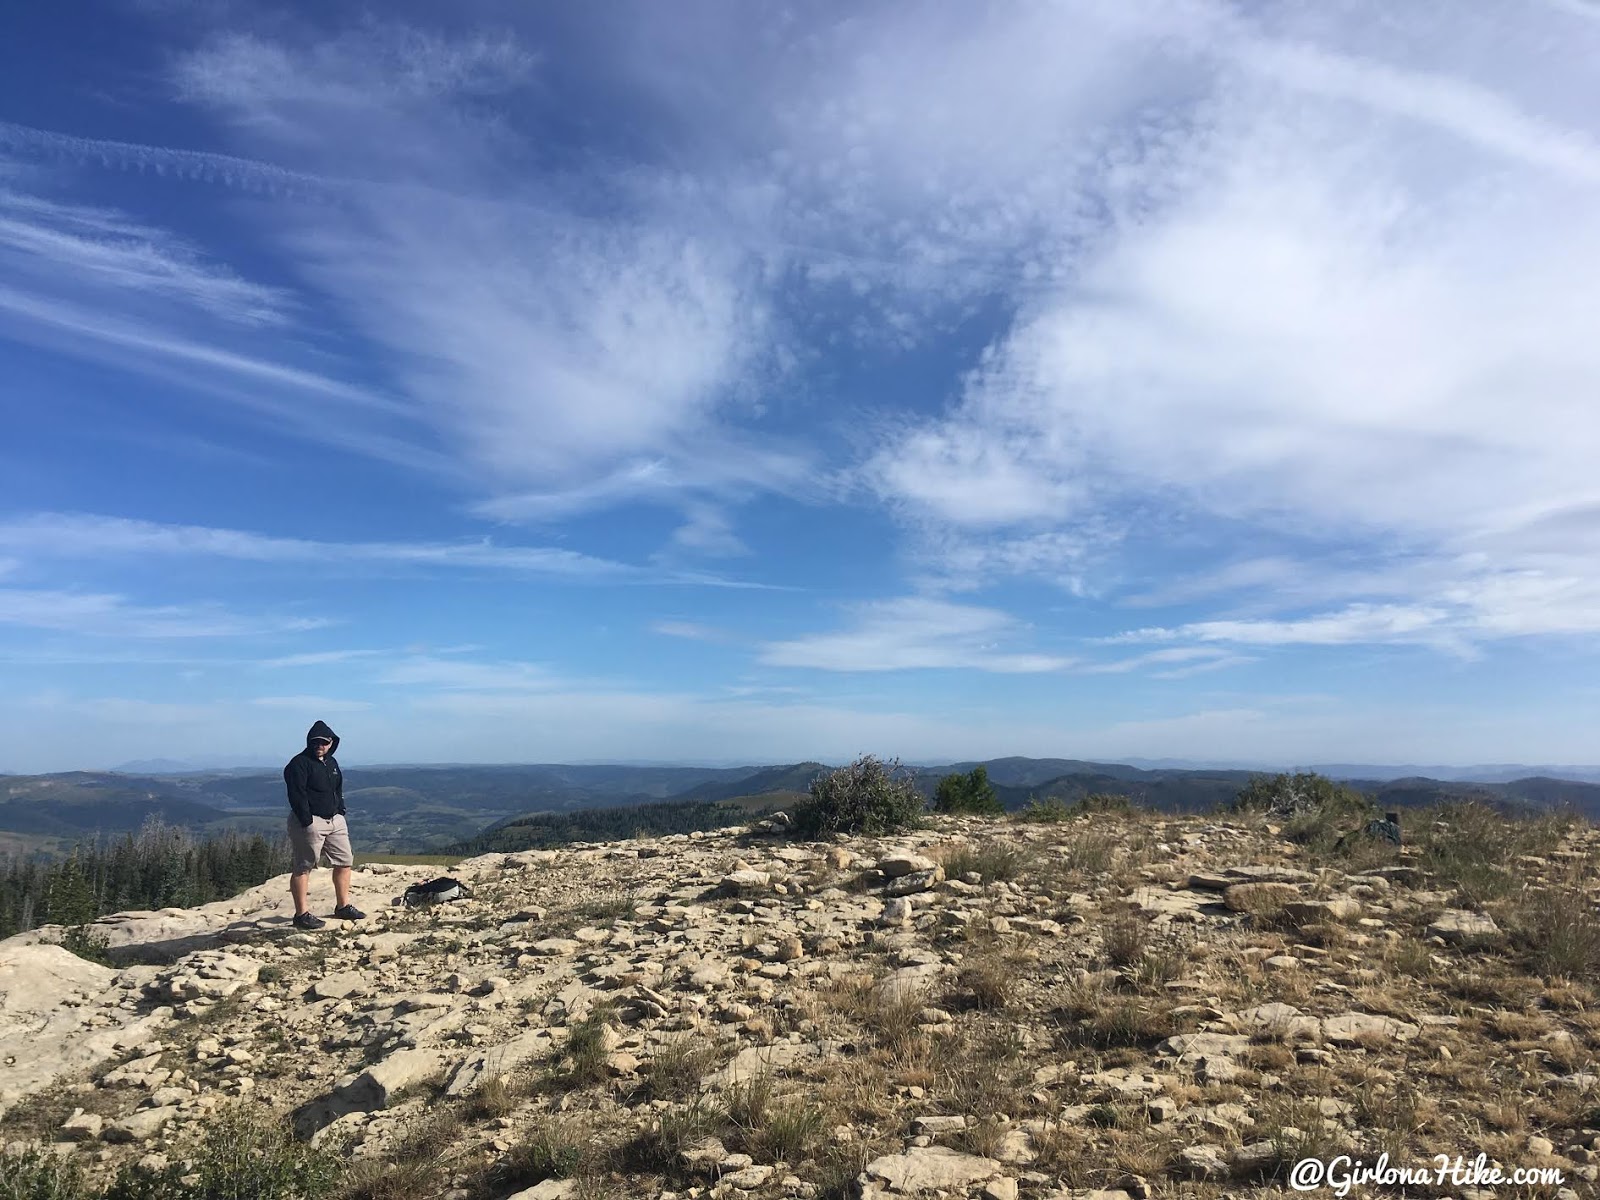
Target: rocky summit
1112, 1005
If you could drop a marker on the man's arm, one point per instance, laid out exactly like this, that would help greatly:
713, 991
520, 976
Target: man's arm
294, 777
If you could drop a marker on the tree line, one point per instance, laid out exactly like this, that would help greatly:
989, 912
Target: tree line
160, 866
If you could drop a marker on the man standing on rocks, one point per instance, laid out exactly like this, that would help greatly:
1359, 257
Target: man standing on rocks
317, 825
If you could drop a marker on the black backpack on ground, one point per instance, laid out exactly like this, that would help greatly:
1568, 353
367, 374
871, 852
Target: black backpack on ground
435, 891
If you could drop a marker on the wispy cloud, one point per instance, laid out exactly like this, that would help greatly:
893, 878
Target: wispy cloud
464, 676
323, 704
44, 237
1175, 659
1358, 623
708, 531
77, 535
103, 614
198, 165
318, 658
692, 631
1331, 300
571, 362
916, 633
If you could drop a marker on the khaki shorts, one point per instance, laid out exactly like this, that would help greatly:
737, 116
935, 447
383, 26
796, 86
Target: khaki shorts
325, 835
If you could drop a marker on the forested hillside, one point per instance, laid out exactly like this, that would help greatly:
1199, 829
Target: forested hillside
157, 867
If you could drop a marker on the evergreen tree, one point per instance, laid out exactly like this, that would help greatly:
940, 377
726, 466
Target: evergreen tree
69, 900
970, 793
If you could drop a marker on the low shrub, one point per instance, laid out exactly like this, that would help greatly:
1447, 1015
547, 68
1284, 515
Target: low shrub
791, 1131
1126, 938
87, 943
41, 1175
244, 1153
552, 1149
992, 860
867, 797
1051, 810
1561, 933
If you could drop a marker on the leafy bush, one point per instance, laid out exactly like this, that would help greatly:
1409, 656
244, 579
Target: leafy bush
1304, 792
970, 793
868, 796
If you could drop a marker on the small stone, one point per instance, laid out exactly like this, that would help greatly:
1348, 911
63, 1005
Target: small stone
748, 1177
1259, 897
82, 1127
140, 1126
703, 1157
554, 947
1203, 1163
896, 912
749, 880
1161, 1108
338, 986
894, 866
1459, 926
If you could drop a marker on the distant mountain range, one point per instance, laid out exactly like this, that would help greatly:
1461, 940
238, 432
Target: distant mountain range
1482, 773
420, 808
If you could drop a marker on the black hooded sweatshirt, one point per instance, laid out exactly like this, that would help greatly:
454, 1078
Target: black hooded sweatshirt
316, 785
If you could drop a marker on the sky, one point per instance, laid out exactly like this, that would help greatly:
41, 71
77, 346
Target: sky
752, 382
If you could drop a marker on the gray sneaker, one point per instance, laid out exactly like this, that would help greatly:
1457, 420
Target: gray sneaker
307, 920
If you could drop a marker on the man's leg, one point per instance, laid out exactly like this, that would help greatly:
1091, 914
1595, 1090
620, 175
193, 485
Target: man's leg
341, 859
304, 846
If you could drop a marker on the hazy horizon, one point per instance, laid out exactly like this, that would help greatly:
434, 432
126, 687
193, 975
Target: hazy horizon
1482, 772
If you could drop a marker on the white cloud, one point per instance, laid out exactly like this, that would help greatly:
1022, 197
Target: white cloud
708, 531
915, 633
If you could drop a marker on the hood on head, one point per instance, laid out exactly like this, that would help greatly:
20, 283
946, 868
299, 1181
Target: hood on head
321, 730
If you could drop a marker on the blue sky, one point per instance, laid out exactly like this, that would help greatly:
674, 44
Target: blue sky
741, 382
